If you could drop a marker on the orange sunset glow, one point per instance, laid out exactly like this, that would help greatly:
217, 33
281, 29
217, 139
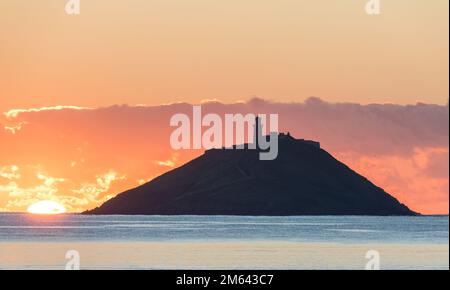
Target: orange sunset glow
46, 207
85, 100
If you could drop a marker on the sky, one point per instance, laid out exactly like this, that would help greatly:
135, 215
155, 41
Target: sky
81, 157
162, 51
119, 64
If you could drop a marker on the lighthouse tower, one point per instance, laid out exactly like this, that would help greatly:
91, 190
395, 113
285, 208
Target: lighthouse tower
257, 132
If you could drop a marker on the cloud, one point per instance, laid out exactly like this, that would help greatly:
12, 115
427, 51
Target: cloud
144, 180
10, 172
49, 188
14, 129
21, 197
408, 176
402, 148
172, 162
93, 191
11, 189
14, 113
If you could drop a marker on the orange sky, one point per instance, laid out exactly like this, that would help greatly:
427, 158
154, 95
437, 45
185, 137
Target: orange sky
159, 51
81, 157
166, 51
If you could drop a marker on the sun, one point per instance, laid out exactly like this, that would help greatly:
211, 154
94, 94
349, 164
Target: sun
46, 207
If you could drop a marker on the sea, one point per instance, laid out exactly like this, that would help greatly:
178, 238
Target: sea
223, 242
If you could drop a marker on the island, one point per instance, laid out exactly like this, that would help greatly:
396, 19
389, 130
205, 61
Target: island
303, 180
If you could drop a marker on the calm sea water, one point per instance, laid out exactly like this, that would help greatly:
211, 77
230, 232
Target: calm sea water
350, 229
135, 242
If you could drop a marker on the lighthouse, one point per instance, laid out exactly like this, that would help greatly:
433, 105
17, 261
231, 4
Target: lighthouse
257, 131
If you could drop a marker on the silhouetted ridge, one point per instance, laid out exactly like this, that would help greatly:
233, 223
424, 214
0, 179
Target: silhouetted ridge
303, 180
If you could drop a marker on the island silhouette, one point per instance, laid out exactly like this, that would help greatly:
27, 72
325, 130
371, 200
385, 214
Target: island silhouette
303, 180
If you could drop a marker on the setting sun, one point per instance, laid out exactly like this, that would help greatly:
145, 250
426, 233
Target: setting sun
46, 207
